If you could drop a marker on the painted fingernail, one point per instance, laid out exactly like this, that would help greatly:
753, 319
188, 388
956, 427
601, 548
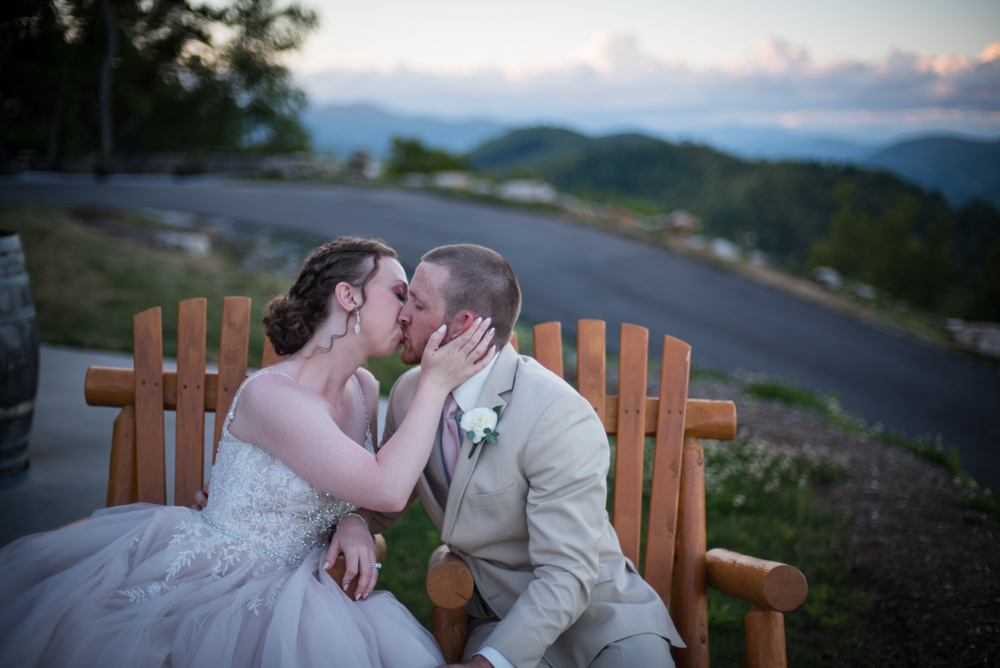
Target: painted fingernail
357, 597
345, 587
442, 328
492, 330
326, 565
365, 597
478, 320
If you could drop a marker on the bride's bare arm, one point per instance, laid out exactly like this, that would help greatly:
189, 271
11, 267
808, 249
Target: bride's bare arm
294, 425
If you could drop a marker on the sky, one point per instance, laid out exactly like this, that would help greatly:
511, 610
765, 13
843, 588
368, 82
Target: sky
848, 67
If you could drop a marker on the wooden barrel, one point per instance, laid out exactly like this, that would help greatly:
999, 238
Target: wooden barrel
18, 357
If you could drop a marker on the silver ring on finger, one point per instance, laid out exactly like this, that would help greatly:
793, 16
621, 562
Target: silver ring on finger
377, 565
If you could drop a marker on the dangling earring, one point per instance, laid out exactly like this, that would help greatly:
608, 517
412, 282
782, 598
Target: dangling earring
357, 327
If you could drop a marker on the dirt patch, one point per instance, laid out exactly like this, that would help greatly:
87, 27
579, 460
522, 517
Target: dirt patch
933, 564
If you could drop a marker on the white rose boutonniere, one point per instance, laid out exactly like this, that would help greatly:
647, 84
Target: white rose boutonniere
480, 424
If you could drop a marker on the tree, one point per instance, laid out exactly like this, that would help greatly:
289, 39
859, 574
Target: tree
410, 155
888, 251
185, 76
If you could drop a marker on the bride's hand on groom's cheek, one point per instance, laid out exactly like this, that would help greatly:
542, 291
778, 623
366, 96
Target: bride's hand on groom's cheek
353, 540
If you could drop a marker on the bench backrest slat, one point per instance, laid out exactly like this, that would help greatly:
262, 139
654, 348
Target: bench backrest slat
630, 417
270, 356
664, 495
189, 459
591, 364
631, 438
147, 335
232, 359
548, 346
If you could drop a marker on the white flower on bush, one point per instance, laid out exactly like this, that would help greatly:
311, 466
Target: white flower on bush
480, 424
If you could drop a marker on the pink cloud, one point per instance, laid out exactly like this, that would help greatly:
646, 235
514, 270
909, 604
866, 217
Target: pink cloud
612, 81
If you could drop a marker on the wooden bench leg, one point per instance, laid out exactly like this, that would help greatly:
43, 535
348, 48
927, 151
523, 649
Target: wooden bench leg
765, 639
122, 488
450, 629
689, 594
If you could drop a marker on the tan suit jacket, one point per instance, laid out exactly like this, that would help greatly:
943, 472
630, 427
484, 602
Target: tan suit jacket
527, 514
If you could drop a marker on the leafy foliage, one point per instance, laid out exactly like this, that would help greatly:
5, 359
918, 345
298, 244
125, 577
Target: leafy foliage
870, 225
185, 77
410, 155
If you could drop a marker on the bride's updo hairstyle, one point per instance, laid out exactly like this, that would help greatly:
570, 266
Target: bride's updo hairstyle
289, 322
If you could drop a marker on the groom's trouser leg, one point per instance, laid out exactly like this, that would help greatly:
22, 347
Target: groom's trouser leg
645, 649
479, 631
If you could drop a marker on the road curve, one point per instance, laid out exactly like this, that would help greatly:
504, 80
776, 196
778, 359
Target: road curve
568, 272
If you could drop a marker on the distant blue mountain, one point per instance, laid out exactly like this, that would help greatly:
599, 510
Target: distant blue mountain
344, 129
781, 144
962, 168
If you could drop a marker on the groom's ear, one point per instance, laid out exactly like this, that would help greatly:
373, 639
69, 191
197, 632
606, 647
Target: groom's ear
461, 322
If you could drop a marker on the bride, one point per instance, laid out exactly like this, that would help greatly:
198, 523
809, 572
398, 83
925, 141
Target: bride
242, 583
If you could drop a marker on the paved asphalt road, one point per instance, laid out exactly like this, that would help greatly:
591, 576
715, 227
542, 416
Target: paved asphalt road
568, 272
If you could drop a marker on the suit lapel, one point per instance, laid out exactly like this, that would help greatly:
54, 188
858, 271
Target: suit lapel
499, 382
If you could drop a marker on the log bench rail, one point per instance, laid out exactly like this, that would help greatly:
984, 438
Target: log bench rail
114, 387
677, 565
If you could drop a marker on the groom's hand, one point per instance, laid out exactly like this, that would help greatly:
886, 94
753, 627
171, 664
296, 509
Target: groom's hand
353, 540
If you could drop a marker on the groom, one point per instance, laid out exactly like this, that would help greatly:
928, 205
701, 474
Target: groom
526, 512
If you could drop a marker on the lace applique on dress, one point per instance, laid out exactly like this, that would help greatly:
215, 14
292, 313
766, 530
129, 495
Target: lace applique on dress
260, 503
260, 513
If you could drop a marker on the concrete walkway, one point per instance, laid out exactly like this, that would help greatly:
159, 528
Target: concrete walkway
70, 448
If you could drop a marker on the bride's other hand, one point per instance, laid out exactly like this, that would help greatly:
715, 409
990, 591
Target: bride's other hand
353, 540
461, 358
201, 497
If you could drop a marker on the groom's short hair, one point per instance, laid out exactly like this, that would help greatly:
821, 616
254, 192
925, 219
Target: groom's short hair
481, 281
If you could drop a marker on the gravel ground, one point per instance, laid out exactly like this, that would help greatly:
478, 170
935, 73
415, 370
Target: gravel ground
933, 564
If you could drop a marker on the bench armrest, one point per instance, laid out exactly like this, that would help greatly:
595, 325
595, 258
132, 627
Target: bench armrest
770, 585
449, 580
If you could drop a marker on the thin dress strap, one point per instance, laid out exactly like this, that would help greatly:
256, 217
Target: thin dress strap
232, 408
368, 432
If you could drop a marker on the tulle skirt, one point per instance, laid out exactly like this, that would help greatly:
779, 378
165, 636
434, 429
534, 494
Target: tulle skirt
145, 585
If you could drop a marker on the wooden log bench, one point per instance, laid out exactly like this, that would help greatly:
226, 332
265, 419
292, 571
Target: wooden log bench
677, 565
676, 562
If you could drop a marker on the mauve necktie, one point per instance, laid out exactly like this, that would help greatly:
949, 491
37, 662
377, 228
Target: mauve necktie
451, 441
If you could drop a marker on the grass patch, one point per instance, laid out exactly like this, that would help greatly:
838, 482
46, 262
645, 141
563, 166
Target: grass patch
971, 494
759, 501
786, 393
87, 282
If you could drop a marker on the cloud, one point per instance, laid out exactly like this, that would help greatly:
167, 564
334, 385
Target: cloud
611, 82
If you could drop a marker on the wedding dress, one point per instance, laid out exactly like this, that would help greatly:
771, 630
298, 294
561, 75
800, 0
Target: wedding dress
239, 584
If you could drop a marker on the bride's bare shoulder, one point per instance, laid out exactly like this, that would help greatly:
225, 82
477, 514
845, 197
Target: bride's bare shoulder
266, 392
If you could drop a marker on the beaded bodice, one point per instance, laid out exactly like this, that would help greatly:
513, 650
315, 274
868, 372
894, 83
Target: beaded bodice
258, 501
